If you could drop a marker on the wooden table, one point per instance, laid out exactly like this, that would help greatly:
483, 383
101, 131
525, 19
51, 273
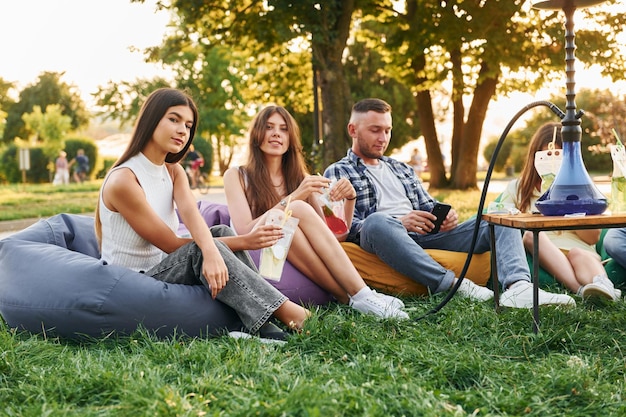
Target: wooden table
537, 223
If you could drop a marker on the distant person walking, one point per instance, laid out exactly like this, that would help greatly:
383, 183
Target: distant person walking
82, 166
61, 170
417, 162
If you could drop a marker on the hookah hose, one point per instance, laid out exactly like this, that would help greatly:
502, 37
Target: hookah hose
483, 196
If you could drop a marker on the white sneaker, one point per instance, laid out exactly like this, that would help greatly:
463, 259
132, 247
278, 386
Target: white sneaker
601, 287
394, 301
521, 296
376, 305
471, 290
245, 335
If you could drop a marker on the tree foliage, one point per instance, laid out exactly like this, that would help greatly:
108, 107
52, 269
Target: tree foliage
5, 100
207, 74
49, 128
122, 100
469, 51
452, 58
604, 112
366, 77
319, 28
49, 89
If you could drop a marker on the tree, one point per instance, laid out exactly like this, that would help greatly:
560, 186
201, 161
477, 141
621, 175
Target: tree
5, 99
364, 70
121, 101
322, 28
49, 89
470, 51
208, 74
212, 76
48, 129
5, 102
227, 83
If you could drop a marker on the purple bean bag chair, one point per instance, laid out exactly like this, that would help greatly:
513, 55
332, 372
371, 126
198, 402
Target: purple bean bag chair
293, 283
52, 281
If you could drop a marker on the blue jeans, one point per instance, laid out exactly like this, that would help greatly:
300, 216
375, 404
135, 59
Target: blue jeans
386, 237
253, 298
615, 243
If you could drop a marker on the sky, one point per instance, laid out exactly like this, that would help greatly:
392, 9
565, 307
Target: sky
90, 40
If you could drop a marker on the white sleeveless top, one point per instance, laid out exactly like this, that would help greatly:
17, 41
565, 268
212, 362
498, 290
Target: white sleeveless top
121, 245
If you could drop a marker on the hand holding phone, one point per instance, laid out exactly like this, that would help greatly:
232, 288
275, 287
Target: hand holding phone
441, 211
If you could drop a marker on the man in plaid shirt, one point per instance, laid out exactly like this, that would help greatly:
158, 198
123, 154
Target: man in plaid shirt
392, 218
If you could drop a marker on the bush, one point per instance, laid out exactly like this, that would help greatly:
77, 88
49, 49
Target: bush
107, 163
41, 167
503, 154
10, 166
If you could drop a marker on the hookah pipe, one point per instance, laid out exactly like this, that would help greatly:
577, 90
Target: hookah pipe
572, 191
554, 108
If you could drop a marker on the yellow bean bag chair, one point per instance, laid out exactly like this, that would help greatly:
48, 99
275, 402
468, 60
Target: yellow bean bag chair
379, 275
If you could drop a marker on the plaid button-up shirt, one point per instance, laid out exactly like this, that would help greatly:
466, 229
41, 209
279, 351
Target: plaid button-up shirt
353, 168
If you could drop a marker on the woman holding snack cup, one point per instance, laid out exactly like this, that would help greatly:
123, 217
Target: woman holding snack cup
568, 255
275, 182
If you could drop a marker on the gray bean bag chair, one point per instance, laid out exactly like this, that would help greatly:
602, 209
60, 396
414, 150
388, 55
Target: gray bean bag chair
52, 281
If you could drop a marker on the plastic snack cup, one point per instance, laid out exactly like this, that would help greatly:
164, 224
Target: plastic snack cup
618, 180
333, 213
273, 258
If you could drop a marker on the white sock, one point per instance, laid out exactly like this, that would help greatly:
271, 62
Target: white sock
362, 294
580, 291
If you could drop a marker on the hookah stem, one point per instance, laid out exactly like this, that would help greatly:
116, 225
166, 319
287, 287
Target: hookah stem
571, 130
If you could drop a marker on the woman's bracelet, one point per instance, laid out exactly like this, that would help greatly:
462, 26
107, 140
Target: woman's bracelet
353, 198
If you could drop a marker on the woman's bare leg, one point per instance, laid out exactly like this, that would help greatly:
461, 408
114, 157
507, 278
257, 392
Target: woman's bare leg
305, 259
553, 260
292, 314
586, 265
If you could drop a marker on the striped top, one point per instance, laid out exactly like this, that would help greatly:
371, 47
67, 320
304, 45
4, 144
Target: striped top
121, 245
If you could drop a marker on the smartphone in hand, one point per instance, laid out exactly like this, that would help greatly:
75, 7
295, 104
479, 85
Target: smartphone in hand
441, 211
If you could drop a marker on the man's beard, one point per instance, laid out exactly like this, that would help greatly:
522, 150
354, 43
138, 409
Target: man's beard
366, 152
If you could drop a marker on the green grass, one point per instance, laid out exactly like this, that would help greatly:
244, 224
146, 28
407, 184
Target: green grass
19, 201
467, 360
23, 201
